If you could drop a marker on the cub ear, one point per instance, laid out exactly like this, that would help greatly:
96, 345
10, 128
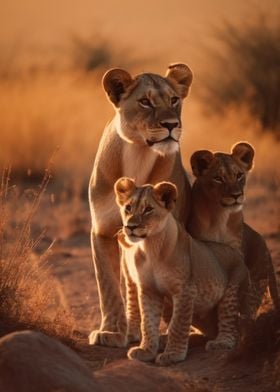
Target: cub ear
166, 193
182, 75
124, 188
243, 153
115, 82
200, 161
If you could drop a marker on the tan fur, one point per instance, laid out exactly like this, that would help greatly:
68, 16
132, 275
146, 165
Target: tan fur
163, 261
134, 144
217, 202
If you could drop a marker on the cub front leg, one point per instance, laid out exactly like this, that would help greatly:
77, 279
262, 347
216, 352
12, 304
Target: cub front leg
151, 309
179, 327
227, 321
113, 327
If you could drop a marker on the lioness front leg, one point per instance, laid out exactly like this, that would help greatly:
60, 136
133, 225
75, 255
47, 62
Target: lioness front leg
151, 309
228, 316
113, 327
132, 307
179, 328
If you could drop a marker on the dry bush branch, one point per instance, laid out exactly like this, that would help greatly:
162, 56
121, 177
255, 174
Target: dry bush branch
28, 292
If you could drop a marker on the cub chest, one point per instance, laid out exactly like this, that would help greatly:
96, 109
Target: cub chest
145, 272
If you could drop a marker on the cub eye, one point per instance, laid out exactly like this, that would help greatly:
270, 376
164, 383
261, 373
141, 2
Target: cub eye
174, 101
218, 179
145, 103
127, 209
148, 210
240, 176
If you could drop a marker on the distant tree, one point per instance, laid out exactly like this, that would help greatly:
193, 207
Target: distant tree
247, 72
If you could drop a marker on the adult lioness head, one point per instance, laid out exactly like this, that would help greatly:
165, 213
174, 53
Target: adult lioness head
222, 177
148, 105
144, 209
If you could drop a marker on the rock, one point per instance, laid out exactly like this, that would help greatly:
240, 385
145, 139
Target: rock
128, 376
33, 362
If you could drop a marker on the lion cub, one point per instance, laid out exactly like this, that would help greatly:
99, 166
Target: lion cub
217, 202
163, 260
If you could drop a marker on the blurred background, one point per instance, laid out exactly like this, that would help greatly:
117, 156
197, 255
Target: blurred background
53, 55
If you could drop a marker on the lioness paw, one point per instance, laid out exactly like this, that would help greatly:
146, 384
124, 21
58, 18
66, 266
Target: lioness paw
141, 354
169, 358
106, 338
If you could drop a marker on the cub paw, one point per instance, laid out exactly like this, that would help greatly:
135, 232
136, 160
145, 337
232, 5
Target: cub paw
141, 354
220, 345
106, 338
169, 358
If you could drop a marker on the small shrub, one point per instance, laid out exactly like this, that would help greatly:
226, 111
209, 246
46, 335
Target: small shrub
90, 55
247, 72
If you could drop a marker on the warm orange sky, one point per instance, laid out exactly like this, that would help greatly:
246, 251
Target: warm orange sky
149, 25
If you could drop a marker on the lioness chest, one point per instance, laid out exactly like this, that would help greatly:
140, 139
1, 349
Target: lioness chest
138, 162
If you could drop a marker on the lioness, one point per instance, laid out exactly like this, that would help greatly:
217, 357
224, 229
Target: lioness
217, 202
142, 141
163, 260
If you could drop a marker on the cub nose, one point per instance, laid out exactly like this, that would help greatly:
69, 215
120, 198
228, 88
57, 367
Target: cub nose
169, 124
236, 194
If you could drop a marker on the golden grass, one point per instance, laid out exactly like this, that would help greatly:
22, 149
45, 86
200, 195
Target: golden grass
28, 292
46, 111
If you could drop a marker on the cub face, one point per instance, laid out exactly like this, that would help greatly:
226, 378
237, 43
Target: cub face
222, 177
144, 209
149, 106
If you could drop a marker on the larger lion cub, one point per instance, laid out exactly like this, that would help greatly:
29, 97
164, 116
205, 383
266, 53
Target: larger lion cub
163, 260
142, 141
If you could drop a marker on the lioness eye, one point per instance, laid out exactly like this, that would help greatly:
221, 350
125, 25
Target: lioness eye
218, 179
127, 208
148, 209
174, 101
145, 103
239, 176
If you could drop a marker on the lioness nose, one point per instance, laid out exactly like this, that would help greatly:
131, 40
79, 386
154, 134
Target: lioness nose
169, 125
131, 227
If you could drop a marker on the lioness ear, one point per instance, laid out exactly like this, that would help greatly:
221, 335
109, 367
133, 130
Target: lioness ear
115, 82
200, 161
243, 153
124, 188
182, 75
166, 193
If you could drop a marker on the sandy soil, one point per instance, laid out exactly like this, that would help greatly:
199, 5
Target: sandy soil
72, 265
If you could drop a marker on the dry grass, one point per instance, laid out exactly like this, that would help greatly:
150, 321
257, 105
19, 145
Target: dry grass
28, 292
40, 113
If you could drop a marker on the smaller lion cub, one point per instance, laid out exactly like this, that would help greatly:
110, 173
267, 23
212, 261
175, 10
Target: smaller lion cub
163, 260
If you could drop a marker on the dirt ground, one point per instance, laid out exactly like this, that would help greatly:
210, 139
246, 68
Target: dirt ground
72, 266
